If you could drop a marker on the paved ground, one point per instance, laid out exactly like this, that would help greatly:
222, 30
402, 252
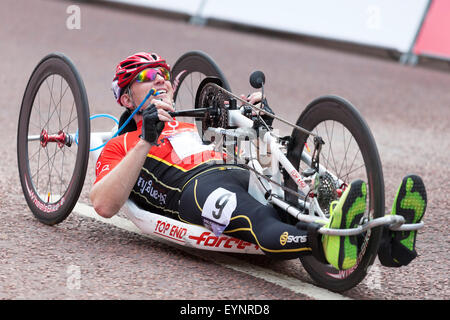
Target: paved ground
407, 109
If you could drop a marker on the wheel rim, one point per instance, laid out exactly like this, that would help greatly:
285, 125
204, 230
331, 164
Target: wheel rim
52, 166
52, 158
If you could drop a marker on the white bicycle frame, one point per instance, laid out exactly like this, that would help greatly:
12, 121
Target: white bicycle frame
396, 223
202, 238
236, 118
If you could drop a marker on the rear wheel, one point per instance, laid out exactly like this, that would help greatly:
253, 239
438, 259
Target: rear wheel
349, 153
52, 155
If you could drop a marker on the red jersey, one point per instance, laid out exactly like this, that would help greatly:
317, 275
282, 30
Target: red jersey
179, 156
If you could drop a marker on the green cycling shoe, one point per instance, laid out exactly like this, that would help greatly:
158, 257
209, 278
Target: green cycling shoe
342, 251
397, 248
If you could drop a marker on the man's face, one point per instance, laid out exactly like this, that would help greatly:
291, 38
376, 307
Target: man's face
140, 89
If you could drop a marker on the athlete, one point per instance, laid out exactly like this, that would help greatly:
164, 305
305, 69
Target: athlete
162, 165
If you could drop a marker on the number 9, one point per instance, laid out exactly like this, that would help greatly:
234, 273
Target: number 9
220, 204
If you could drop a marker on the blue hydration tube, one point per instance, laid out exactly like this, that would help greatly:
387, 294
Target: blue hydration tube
152, 92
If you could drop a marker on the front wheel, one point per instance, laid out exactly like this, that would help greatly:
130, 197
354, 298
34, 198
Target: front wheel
53, 139
349, 153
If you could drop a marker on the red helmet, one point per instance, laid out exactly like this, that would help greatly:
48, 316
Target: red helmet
127, 69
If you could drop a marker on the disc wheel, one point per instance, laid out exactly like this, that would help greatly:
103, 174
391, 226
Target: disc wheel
349, 153
53, 139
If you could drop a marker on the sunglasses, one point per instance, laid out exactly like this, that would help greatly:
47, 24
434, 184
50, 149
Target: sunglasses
151, 73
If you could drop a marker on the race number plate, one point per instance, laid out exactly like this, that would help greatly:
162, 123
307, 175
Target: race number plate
187, 143
217, 210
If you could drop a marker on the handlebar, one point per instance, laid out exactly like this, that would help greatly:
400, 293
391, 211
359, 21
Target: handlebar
198, 113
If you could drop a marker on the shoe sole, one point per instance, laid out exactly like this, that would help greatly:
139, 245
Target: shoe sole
341, 252
410, 203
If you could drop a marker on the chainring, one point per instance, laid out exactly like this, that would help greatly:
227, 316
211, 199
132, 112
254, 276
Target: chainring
213, 97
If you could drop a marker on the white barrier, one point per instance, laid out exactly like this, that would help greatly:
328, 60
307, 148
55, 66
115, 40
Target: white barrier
190, 7
381, 23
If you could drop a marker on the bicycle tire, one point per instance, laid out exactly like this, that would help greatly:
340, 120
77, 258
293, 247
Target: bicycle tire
339, 112
188, 73
53, 204
194, 62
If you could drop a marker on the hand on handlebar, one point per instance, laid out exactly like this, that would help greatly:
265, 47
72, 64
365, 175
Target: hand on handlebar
255, 98
163, 108
252, 98
153, 119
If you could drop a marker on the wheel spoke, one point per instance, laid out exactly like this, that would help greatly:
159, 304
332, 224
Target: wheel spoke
50, 116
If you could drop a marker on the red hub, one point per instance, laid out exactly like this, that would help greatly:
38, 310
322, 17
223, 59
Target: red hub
341, 190
59, 138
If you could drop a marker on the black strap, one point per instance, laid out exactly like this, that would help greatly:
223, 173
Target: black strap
314, 239
131, 126
403, 255
392, 253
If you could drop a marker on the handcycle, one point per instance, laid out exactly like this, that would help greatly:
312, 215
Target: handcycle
299, 174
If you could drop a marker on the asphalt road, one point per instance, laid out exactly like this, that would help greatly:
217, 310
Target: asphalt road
407, 109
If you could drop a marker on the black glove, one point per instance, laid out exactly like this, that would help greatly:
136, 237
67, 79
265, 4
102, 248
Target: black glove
265, 106
151, 125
